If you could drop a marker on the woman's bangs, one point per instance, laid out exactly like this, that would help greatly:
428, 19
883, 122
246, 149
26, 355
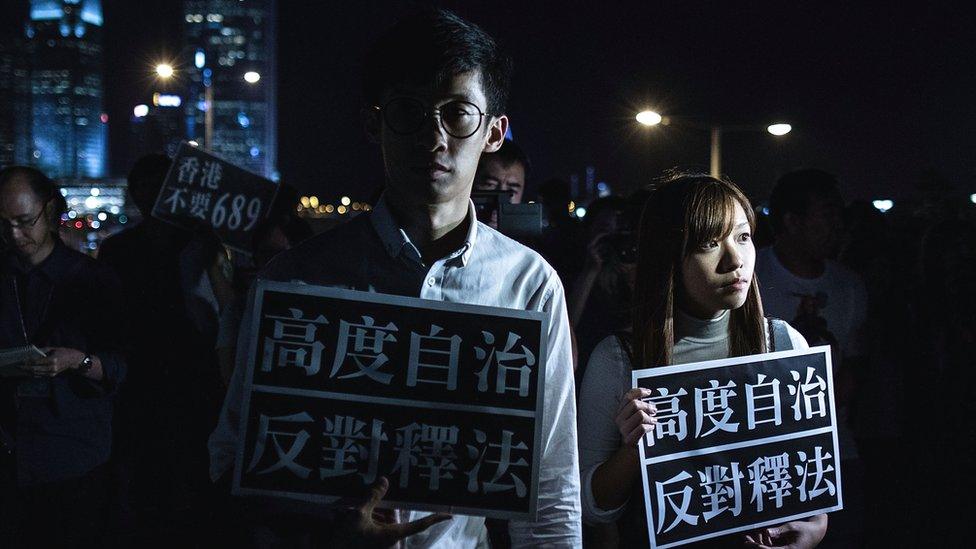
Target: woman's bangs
711, 214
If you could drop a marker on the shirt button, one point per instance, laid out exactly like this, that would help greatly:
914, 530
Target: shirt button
431, 281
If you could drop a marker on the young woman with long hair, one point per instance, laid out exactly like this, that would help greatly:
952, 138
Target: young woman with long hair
696, 299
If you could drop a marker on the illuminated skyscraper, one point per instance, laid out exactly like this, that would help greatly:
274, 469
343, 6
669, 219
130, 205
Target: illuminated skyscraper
68, 124
13, 88
231, 52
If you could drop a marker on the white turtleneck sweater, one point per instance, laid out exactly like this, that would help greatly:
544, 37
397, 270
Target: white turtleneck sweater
607, 378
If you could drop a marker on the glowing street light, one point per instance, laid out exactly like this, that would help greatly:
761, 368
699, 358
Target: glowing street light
649, 118
252, 77
164, 70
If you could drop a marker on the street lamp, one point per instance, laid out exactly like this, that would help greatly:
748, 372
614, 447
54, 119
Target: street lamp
165, 70
651, 118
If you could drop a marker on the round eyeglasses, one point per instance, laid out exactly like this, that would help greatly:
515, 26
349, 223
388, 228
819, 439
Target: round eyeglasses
406, 115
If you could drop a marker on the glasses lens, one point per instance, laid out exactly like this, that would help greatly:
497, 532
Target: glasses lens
404, 115
460, 118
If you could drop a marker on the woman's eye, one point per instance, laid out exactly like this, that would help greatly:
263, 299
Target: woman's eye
709, 245
745, 237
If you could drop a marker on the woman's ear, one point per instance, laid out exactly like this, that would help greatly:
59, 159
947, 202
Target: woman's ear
371, 124
496, 134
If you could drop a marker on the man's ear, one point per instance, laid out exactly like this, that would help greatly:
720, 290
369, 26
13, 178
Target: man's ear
371, 123
496, 134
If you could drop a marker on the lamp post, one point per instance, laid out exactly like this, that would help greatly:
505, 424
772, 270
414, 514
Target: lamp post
650, 118
165, 71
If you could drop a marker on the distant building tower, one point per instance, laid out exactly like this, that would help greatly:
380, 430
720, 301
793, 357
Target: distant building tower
68, 126
14, 126
231, 49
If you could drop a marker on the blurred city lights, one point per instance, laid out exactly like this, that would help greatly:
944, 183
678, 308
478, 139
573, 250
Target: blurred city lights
345, 200
305, 201
252, 77
95, 191
313, 201
341, 209
883, 205
102, 216
972, 198
649, 118
192, 143
140, 110
779, 129
581, 212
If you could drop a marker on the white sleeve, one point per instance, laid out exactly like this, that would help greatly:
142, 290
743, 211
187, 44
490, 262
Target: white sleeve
558, 523
605, 381
222, 443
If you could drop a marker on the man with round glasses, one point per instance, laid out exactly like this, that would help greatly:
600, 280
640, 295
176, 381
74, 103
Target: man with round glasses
436, 88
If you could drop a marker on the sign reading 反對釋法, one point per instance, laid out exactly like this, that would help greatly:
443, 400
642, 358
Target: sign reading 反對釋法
445, 400
201, 188
740, 443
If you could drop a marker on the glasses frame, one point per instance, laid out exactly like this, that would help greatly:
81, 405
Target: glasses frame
7, 226
431, 111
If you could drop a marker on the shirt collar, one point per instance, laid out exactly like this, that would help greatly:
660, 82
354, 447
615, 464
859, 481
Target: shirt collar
395, 239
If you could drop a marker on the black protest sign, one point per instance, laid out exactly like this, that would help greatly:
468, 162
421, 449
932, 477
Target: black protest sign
443, 399
740, 443
202, 189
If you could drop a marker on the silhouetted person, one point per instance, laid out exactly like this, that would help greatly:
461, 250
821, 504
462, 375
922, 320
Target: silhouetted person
171, 399
802, 283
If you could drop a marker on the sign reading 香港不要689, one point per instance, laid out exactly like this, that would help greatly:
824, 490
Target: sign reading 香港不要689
202, 189
740, 443
443, 399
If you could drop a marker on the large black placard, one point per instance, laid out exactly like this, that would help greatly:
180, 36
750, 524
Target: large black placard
445, 400
740, 443
202, 189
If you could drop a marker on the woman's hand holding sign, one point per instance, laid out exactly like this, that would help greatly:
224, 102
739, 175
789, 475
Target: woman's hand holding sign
635, 416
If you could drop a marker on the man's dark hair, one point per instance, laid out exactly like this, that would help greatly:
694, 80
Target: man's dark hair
433, 45
794, 191
145, 179
509, 153
43, 187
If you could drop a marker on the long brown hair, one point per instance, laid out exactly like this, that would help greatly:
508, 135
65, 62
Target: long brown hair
683, 211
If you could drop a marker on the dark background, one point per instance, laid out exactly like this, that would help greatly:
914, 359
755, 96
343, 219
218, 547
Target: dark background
877, 93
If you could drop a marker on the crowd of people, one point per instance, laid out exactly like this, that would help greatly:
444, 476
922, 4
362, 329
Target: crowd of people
121, 432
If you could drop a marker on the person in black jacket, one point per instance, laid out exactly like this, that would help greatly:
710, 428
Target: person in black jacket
55, 411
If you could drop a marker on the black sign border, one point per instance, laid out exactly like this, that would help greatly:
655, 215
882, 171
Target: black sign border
261, 286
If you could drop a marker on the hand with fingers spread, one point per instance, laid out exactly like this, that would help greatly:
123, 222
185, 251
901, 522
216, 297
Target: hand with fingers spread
635, 417
369, 527
798, 534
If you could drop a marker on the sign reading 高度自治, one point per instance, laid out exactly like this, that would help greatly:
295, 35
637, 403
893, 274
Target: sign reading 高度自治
740, 443
202, 189
443, 399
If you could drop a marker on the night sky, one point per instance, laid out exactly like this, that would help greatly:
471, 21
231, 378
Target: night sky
881, 96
